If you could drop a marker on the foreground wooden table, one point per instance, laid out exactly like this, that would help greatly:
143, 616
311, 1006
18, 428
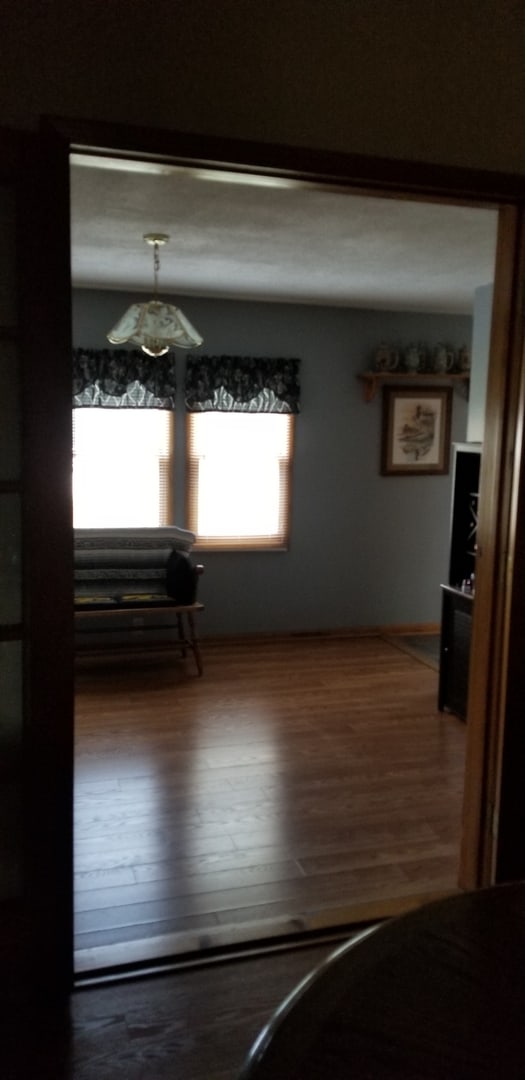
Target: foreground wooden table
438, 993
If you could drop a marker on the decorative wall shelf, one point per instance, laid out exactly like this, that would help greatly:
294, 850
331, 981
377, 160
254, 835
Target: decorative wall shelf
373, 379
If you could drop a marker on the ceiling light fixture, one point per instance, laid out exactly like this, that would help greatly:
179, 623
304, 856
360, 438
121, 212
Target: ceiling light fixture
224, 176
127, 165
155, 325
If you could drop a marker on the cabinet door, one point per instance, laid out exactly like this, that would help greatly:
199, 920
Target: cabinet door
464, 514
456, 629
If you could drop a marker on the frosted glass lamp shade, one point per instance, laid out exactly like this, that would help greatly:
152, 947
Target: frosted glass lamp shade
155, 326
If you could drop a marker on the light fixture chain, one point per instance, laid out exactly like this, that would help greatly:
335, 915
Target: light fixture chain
156, 268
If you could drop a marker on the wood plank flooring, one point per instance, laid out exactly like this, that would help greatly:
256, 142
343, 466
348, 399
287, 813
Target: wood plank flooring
197, 1024
300, 783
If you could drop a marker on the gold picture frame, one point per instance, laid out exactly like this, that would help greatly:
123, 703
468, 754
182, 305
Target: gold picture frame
416, 431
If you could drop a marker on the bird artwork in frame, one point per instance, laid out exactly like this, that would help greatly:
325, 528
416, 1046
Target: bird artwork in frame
416, 431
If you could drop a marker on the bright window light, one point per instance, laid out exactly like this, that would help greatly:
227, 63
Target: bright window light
121, 467
238, 478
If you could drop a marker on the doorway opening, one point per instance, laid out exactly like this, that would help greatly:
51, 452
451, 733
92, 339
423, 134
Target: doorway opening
336, 523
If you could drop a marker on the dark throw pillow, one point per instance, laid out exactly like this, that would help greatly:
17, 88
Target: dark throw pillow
181, 578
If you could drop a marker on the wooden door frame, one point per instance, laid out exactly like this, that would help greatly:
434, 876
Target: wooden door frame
406, 180
502, 851
499, 565
36, 922
45, 347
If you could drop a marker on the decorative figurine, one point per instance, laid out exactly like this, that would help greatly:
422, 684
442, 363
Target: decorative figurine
443, 358
385, 358
412, 358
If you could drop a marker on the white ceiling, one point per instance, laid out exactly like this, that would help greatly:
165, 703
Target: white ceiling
235, 236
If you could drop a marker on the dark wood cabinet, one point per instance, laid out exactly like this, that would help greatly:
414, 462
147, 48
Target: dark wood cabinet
459, 592
456, 621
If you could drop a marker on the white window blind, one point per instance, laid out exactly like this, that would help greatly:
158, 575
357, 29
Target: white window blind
239, 479
122, 467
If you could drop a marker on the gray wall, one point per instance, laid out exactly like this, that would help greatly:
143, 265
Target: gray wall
482, 321
365, 550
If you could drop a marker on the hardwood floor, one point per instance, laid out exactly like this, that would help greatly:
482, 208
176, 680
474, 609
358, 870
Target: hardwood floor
300, 783
190, 1025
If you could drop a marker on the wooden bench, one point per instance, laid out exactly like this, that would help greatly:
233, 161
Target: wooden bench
92, 609
138, 571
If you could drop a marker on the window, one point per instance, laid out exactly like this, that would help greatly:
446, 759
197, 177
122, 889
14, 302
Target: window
122, 467
239, 474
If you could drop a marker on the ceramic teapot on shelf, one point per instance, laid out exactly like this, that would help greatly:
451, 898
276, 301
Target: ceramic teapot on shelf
443, 359
386, 358
412, 358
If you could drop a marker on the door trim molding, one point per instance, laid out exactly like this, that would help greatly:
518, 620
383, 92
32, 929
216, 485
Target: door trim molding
384, 175
426, 182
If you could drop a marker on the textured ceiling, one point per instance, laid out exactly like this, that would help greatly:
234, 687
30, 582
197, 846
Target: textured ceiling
233, 236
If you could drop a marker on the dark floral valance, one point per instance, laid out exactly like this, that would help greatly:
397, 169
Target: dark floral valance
241, 384
122, 378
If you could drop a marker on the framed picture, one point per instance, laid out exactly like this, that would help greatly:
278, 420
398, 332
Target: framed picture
416, 431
